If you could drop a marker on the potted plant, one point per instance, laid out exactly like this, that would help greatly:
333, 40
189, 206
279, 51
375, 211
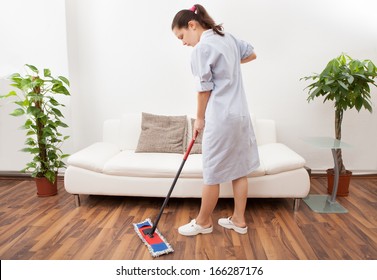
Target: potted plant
346, 82
36, 99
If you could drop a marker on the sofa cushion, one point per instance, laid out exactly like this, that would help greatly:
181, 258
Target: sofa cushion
94, 156
154, 165
277, 157
162, 134
158, 165
260, 171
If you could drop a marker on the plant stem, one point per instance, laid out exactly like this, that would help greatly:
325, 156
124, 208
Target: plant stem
338, 136
40, 127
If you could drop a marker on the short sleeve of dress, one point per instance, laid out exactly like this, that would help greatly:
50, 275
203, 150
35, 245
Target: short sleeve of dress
246, 49
201, 69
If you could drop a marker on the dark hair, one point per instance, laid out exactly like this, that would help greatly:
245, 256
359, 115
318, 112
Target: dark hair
199, 14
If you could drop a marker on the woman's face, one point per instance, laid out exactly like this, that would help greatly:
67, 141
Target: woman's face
189, 36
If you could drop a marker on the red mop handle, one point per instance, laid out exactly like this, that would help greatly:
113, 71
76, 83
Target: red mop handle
190, 145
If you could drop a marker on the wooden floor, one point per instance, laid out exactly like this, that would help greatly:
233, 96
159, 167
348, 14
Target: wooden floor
53, 228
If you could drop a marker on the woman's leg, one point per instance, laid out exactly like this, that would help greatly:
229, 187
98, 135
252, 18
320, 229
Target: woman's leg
210, 195
240, 188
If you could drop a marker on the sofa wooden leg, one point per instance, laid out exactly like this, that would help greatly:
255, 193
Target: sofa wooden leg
296, 204
77, 200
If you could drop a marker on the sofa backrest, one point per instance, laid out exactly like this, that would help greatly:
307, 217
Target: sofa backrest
125, 131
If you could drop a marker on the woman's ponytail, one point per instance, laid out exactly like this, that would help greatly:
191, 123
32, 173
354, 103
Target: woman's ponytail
207, 21
198, 13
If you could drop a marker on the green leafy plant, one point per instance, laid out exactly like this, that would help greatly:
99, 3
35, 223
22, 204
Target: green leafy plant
35, 99
346, 82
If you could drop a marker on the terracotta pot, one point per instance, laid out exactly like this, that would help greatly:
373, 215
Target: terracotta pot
45, 187
343, 185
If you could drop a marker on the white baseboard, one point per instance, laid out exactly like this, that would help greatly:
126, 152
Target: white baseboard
21, 174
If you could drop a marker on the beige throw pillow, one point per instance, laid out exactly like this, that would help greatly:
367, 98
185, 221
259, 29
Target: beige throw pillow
162, 134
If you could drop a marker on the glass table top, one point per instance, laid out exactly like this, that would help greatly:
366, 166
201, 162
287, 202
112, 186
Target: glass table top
326, 142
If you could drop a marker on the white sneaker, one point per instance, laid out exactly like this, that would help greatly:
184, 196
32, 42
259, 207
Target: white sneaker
227, 223
192, 228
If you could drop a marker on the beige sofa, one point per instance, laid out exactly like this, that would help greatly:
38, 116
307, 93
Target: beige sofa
111, 167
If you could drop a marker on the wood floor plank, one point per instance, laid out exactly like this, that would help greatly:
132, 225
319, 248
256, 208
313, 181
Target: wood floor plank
102, 227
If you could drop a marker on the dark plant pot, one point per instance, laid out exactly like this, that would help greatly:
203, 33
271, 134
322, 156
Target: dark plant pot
45, 187
343, 185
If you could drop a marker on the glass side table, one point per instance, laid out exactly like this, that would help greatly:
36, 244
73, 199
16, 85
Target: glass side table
327, 203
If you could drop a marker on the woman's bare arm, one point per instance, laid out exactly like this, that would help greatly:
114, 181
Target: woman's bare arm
249, 58
203, 98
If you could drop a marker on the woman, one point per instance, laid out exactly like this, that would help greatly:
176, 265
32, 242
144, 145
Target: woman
229, 147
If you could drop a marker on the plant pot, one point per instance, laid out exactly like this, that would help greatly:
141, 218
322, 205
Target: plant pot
45, 187
343, 184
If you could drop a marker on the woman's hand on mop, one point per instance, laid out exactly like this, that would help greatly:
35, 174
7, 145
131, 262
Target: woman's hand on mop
199, 125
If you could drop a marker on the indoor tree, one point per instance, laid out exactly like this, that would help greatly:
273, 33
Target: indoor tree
35, 99
346, 82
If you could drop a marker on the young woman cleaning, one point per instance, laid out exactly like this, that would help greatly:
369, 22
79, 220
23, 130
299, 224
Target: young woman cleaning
229, 147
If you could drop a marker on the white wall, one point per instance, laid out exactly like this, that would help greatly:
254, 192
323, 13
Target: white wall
32, 32
123, 57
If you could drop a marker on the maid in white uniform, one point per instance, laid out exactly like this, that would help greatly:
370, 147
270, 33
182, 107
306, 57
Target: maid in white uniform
229, 146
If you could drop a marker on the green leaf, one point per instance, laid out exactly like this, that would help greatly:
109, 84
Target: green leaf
50, 175
35, 173
31, 165
60, 123
370, 67
361, 76
47, 132
27, 124
26, 84
26, 150
343, 85
358, 103
367, 105
329, 82
54, 102
35, 151
316, 91
12, 93
350, 79
33, 68
52, 156
47, 72
15, 75
342, 59
33, 111
37, 82
30, 142
25, 103
64, 79
58, 88
61, 164
18, 112
57, 112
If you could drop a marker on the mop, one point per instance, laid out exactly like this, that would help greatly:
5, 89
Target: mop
147, 231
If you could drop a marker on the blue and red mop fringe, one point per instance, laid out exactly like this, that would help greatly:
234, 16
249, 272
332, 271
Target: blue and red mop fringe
157, 245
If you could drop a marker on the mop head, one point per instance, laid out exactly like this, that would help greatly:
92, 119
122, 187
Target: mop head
157, 245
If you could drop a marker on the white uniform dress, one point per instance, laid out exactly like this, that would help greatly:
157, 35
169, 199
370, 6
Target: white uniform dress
229, 146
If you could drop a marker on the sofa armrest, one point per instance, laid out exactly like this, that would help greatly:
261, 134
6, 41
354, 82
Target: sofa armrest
94, 156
